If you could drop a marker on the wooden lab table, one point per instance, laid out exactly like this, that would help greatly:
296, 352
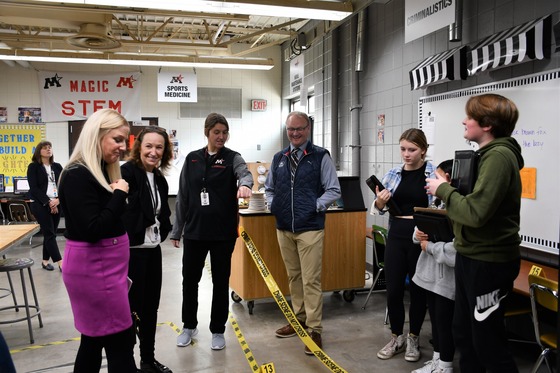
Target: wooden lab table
521, 283
12, 235
344, 257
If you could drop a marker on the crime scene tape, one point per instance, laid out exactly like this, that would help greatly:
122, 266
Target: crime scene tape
284, 306
35, 347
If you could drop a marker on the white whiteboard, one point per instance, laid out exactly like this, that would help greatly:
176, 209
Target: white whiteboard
537, 131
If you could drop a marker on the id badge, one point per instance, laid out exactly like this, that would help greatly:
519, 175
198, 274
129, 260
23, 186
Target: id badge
156, 234
204, 199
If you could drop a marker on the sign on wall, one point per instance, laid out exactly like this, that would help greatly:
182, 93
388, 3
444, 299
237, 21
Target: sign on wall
296, 74
177, 87
17, 144
75, 95
422, 17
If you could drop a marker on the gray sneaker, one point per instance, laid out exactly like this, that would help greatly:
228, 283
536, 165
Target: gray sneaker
412, 348
395, 346
218, 341
185, 338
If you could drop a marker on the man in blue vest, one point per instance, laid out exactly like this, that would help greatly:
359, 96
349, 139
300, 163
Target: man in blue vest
301, 184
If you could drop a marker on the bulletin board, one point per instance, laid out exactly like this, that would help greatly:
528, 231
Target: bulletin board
537, 131
17, 144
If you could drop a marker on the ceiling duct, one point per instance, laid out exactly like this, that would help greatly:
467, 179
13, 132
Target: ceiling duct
94, 36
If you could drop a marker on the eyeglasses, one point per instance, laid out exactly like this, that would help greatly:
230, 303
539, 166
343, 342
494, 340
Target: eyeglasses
299, 129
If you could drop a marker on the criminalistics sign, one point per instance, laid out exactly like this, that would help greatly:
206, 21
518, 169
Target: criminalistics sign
76, 95
177, 87
425, 16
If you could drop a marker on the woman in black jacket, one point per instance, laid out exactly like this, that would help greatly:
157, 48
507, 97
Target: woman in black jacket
43, 174
147, 223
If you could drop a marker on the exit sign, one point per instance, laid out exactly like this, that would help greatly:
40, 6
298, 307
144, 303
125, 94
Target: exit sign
258, 105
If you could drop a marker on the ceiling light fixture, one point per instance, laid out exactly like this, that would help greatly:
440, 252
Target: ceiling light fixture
311, 9
135, 60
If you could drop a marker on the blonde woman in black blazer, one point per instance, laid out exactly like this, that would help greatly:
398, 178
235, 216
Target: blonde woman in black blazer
43, 174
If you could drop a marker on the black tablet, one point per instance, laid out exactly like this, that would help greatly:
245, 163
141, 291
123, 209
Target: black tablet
372, 182
434, 223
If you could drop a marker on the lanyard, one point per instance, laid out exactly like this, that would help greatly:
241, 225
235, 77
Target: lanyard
153, 195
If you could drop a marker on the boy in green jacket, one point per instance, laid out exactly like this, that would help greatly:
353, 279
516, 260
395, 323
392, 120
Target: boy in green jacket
486, 227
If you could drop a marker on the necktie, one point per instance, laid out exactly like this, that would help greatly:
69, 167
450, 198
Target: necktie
294, 160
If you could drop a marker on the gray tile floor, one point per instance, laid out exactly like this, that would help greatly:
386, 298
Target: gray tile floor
351, 335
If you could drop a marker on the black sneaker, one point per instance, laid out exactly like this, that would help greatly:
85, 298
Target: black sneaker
154, 367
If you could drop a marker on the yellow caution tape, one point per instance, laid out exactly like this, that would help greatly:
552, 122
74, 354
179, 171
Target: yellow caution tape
285, 307
35, 347
244, 345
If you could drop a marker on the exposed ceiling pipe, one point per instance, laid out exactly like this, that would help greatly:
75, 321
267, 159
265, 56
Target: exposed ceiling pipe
335, 151
456, 28
358, 32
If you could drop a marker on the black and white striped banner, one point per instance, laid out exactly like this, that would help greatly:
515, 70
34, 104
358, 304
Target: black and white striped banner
448, 65
522, 43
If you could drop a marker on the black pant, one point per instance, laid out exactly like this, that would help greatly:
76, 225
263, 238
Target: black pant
144, 270
49, 225
194, 254
119, 349
478, 323
401, 255
441, 314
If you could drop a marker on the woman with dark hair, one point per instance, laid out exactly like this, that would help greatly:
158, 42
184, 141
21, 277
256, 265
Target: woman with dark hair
206, 213
93, 198
147, 223
43, 174
405, 186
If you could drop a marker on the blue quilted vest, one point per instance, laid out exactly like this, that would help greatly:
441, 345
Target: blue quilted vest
295, 208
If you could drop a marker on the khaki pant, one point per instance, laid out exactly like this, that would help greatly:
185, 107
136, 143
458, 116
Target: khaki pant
303, 257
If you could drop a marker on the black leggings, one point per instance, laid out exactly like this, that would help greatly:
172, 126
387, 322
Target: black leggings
441, 314
401, 255
119, 349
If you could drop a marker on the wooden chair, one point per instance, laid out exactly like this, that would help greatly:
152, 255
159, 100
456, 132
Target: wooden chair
544, 296
19, 213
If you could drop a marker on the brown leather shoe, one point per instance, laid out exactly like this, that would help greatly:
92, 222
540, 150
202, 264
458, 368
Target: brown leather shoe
288, 331
316, 337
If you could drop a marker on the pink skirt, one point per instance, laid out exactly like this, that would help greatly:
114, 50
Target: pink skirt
95, 276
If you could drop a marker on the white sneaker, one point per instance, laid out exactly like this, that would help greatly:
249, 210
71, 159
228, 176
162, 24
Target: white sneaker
429, 367
412, 348
395, 346
185, 338
218, 341
443, 370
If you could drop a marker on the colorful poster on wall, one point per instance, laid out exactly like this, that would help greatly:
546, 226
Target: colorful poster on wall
76, 95
28, 114
177, 87
17, 144
3, 114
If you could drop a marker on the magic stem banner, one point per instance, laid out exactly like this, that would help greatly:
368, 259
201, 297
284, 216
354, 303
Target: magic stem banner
76, 95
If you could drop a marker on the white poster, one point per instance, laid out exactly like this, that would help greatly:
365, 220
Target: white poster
296, 74
422, 17
76, 95
177, 87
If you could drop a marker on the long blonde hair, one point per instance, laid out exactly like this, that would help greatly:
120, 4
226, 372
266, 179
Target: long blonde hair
88, 152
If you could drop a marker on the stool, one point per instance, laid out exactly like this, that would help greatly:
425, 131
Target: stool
19, 264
